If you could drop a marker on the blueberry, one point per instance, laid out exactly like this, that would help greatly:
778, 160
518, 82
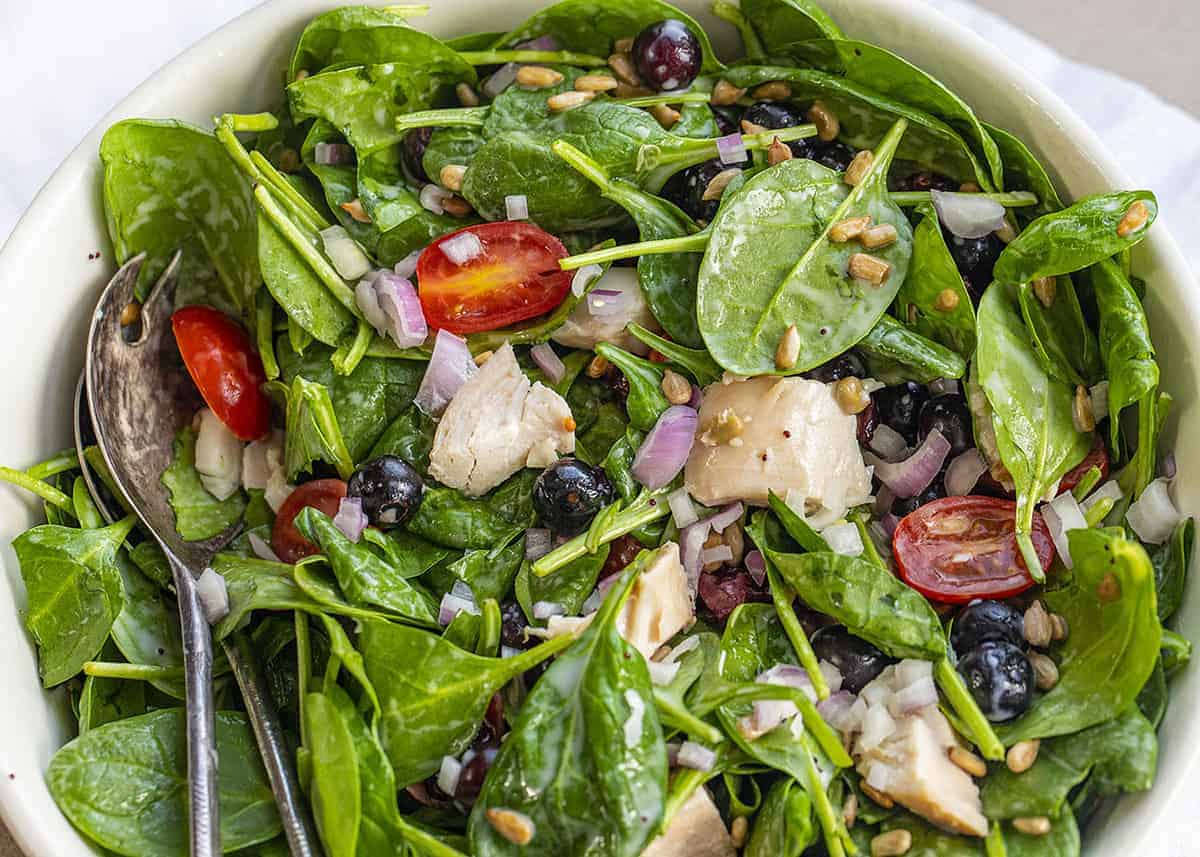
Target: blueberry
985, 621
900, 406
948, 413
668, 55
975, 258
727, 119
413, 151
569, 493
513, 625
390, 490
773, 115
836, 156
1000, 678
857, 660
902, 506
686, 189
848, 364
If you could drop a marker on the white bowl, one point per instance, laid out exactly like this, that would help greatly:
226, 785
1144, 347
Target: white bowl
49, 286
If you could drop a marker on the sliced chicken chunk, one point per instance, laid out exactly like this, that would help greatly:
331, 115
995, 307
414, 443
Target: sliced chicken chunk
584, 329
696, 831
786, 435
496, 424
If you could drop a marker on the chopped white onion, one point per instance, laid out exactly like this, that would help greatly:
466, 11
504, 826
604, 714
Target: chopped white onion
407, 266
214, 597
944, 386
1110, 489
720, 553
460, 598
844, 539
964, 472
1098, 395
516, 206
402, 308
912, 670
583, 278
501, 79
449, 774
682, 649
695, 756
432, 197
218, 456
509, 651
665, 450
832, 675
756, 567
1153, 515
731, 149
449, 368
546, 609
350, 518
729, 515
261, 548
661, 672
333, 154
603, 303
538, 543
637, 710
914, 474
691, 543
683, 510
769, 713
1062, 514
888, 443
548, 361
462, 247
877, 727
345, 254
968, 215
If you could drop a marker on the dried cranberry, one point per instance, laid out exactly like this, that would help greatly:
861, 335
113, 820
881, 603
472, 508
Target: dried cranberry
723, 591
616, 382
867, 421
621, 552
470, 781
668, 55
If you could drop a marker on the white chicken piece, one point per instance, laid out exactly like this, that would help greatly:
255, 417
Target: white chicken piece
658, 608
584, 330
263, 469
218, 456
496, 424
786, 435
696, 831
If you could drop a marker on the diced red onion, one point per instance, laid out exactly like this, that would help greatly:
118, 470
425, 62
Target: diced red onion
462, 247
449, 774
541, 43
334, 154
538, 543
549, 362
345, 254
787, 675
835, 708
1153, 515
592, 603
1098, 396
603, 303
888, 443
683, 510
407, 266
664, 452
350, 518
731, 149
914, 474
452, 605
516, 206
883, 500
501, 79
368, 304
1110, 489
546, 609
1167, 466
400, 304
261, 548
844, 539
769, 713
637, 710
583, 278
731, 514
1062, 514
697, 397
756, 567
968, 215
214, 596
694, 756
432, 197
944, 386
661, 672
720, 553
964, 472
449, 368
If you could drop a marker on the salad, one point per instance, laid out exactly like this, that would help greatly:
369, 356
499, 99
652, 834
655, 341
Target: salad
630, 453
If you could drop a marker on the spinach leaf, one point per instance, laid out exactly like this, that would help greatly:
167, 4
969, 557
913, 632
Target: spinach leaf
1109, 604
923, 300
146, 631
339, 184
1064, 343
489, 573
1176, 652
351, 35
433, 694
592, 26
455, 144
1153, 698
586, 760
619, 462
1171, 560
410, 556
785, 826
103, 700
74, 592
570, 586
766, 26
313, 433
895, 354
1074, 238
447, 517
364, 577
1121, 752
1061, 841
124, 784
930, 841
752, 289
256, 584
646, 400
169, 186
594, 444
694, 362
198, 514
1031, 411
384, 190
410, 437
1023, 171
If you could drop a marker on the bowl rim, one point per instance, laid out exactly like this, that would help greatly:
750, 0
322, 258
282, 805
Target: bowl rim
17, 808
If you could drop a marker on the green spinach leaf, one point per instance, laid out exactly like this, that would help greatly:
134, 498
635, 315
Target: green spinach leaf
767, 26
785, 826
896, 353
1023, 171
298, 290
198, 514
1172, 559
1064, 343
146, 631
409, 436
352, 35
570, 586
925, 301
646, 400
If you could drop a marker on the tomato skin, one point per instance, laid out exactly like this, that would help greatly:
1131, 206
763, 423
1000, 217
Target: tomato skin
1097, 457
956, 549
324, 495
225, 367
515, 278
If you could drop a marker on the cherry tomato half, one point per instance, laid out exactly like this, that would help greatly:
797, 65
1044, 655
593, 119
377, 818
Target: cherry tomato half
1096, 457
324, 495
225, 367
959, 548
512, 276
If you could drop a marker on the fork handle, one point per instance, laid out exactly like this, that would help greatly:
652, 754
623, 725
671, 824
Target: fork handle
205, 829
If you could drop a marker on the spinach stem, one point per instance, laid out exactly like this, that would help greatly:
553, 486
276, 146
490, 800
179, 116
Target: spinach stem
828, 740
1029, 553
66, 460
1147, 434
558, 57
408, 10
644, 510
832, 825
661, 163
665, 98
684, 720
994, 844
685, 244
304, 246
964, 705
1086, 483
733, 15
136, 672
1014, 199
86, 511
582, 164
450, 117
303, 664
425, 842
295, 200
489, 629
250, 122
264, 332
42, 489
1099, 511
683, 786
783, 595
348, 355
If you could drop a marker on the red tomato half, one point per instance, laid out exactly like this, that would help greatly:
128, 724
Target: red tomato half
225, 367
959, 548
514, 276
1096, 457
324, 495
